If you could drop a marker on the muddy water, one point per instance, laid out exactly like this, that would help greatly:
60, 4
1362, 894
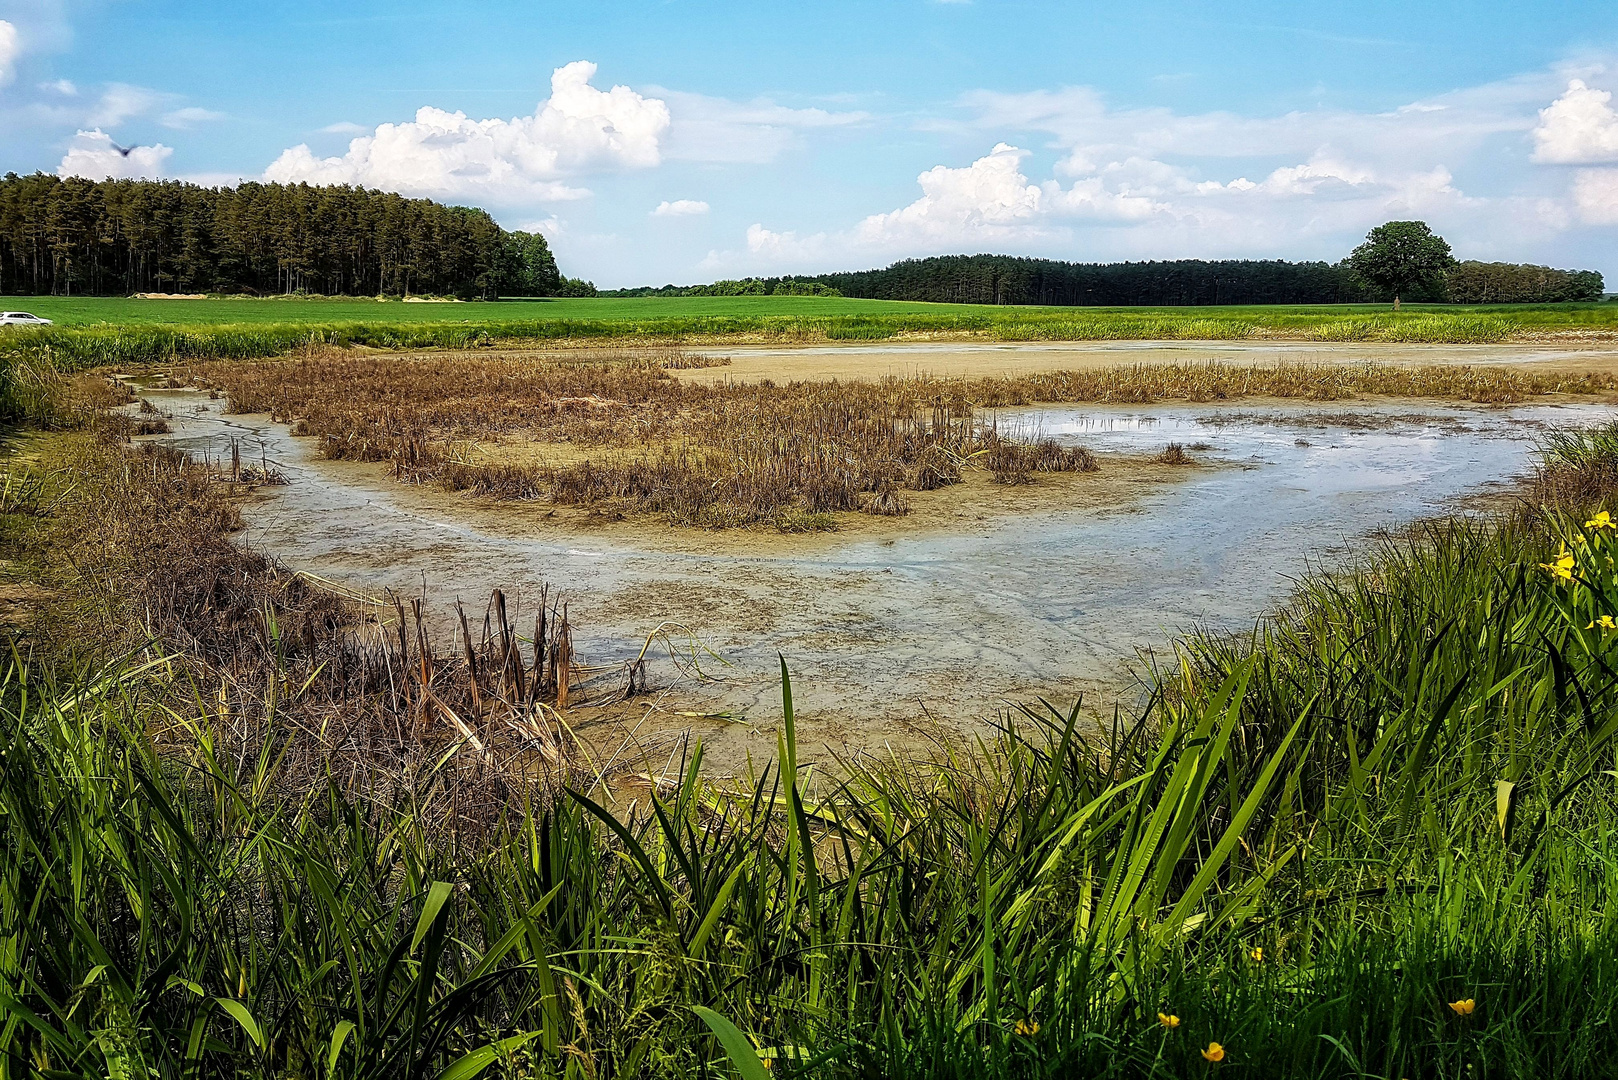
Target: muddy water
888, 639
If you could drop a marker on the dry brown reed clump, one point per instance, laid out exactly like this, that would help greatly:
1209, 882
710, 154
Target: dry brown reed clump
1174, 454
336, 685
707, 454
697, 454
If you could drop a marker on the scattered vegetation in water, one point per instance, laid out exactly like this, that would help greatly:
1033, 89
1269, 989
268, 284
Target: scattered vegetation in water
696, 453
719, 454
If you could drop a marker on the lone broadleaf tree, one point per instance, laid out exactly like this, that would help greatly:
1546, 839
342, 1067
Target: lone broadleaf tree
1401, 254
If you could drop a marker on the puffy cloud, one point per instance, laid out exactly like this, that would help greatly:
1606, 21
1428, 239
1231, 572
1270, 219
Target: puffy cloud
10, 49
991, 201
94, 156
990, 195
1578, 128
680, 208
579, 129
1595, 193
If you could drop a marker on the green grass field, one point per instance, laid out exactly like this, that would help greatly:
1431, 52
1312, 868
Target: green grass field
97, 331
125, 311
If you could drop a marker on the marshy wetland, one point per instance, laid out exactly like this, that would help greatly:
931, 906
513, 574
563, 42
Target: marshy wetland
1051, 552
1336, 801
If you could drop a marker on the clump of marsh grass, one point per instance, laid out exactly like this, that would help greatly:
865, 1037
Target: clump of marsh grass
1578, 467
1174, 454
696, 454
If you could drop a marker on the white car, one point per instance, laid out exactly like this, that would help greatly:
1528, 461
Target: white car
21, 318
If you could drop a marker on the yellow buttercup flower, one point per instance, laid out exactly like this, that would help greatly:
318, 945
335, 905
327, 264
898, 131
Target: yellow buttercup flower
1168, 1020
1027, 1027
1464, 1007
1602, 520
1215, 1052
1605, 622
1257, 954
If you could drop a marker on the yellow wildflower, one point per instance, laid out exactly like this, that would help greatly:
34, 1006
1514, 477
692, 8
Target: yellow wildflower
1168, 1020
1602, 520
1215, 1052
1605, 622
1562, 568
1257, 954
1464, 1007
1027, 1027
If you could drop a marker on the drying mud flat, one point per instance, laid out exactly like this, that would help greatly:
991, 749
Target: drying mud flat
870, 360
901, 632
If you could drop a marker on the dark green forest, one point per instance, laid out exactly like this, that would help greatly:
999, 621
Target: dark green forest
1006, 279
114, 237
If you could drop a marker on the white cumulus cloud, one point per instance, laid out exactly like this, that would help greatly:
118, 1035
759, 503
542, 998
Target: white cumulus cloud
1595, 193
1578, 128
94, 156
680, 208
578, 130
992, 201
10, 49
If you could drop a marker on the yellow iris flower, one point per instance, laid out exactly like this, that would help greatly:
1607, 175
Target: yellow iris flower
1562, 568
1603, 520
1605, 622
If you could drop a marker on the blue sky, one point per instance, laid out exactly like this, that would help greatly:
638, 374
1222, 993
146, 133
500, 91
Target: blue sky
680, 141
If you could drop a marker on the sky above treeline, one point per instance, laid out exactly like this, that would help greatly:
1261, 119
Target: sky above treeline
685, 141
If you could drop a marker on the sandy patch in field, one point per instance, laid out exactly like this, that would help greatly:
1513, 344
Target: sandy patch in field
875, 360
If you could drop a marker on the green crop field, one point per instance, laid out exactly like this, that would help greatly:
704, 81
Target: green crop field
126, 311
97, 331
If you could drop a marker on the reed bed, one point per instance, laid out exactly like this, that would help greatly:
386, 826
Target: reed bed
716, 454
139, 545
697, 454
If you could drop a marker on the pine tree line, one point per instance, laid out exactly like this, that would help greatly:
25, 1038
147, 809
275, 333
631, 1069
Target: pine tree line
1007, 279
115, 237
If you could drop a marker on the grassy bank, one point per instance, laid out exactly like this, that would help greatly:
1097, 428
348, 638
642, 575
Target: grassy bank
94, 332
1373, 838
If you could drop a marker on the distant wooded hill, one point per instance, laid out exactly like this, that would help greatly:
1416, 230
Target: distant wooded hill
114, 237
1006, 279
